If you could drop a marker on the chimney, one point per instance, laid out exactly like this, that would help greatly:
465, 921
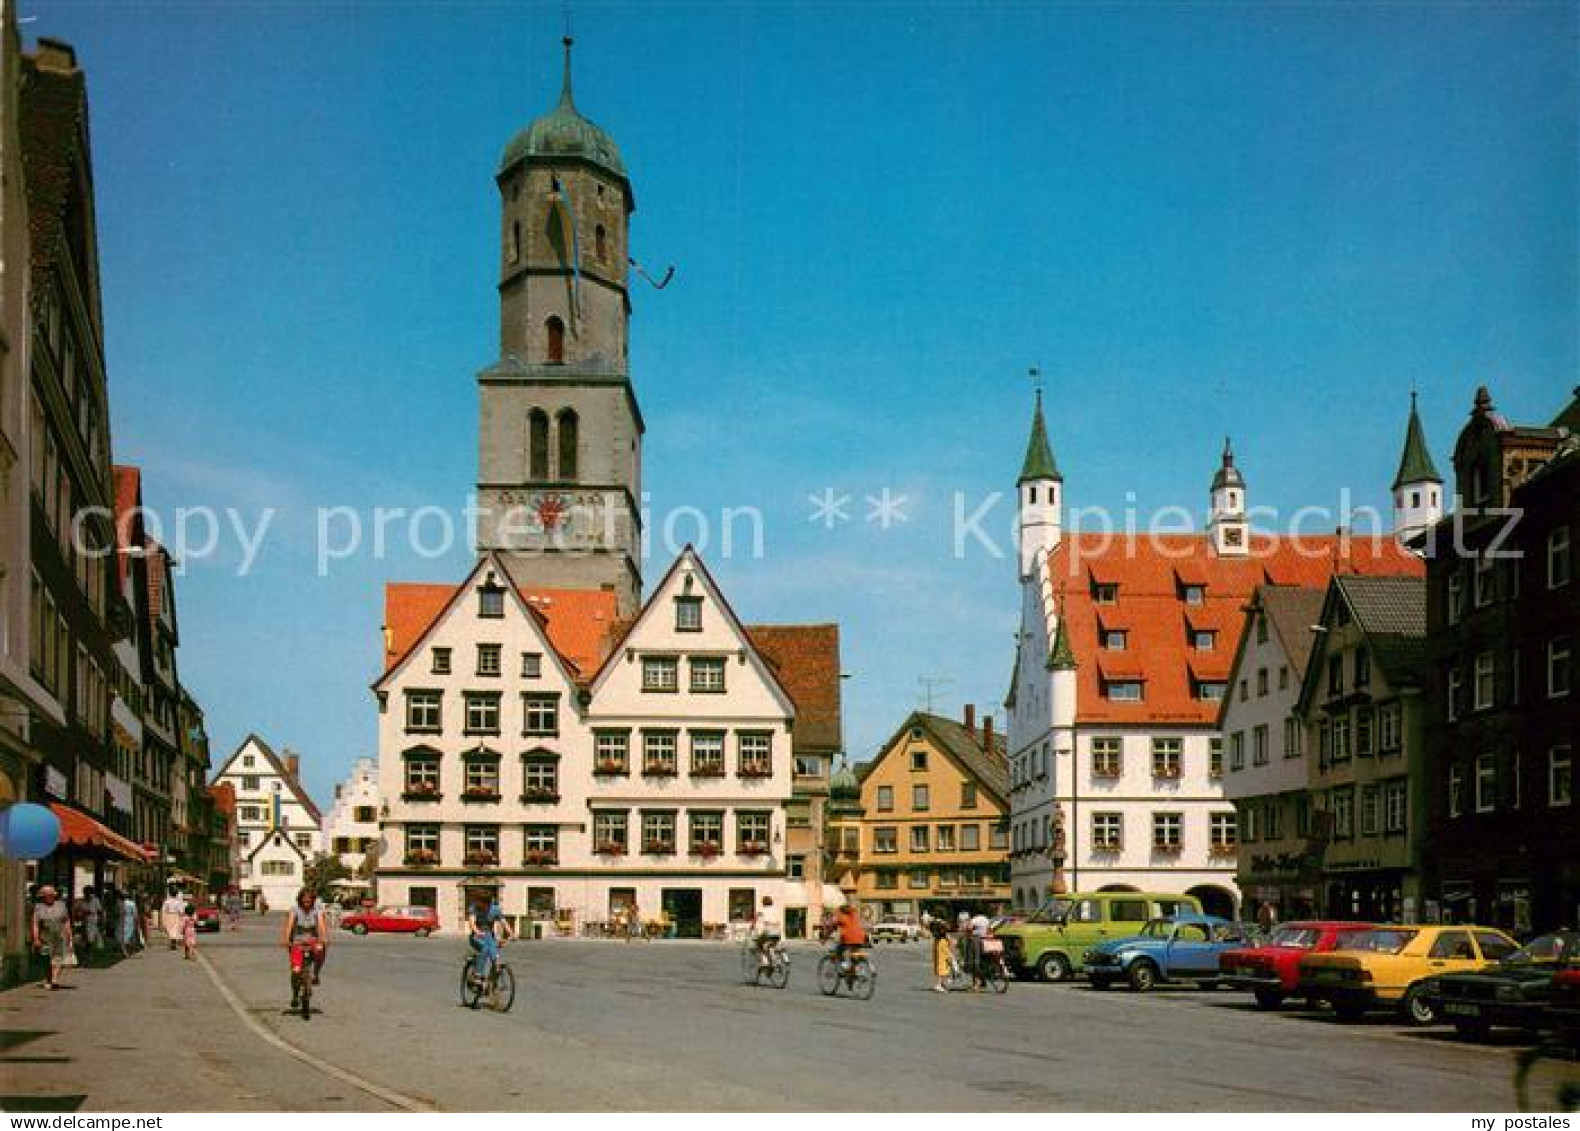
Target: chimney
971, 720
987, 733
55, 55
293, 765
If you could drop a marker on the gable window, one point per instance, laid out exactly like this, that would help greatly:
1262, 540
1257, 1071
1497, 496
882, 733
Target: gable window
921, 801
885, 799
968, 795
441, 661
482, 712
1335, 675
1261, 683
554, 340
1107, 832
531, 665
611, 750
1558, 668
707, 753
488, 659
660, 673
540, 713
538, 445
1105, 757
1168, 831
755, 751
1363, 668
569, 429
250, 781
1259, 745
659, 752
1166, 757
1559, 569
1341, 738
422, 715
490, 601
707, 675
688, 614
1237, 751
658, 832
919, 759
1261, 628
1560, 775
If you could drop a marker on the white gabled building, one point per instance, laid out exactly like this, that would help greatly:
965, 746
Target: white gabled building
351, 827
1123, 657
534, 745
278, 828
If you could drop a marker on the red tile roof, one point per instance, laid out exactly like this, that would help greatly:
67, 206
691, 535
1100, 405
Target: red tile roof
1149, 571
805, 660
579, 623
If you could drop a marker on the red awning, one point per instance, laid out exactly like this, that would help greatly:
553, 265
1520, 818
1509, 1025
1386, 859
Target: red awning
80, 831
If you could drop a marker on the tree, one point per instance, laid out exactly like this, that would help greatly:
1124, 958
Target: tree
322, 871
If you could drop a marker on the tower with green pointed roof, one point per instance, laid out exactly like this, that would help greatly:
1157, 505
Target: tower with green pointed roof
559, 432
1040, 490
1417, 488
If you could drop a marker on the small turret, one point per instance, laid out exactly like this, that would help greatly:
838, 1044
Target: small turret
1417, 488
1227, 525
1040, 488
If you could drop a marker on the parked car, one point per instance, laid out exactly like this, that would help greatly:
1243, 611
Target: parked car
207, 919
1053, 940
1270, 969
1384, 968
895, 930
1516, 992
1563, 1011
419, 921
1183, 948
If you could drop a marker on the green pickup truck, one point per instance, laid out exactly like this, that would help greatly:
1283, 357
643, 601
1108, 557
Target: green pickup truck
1053, 939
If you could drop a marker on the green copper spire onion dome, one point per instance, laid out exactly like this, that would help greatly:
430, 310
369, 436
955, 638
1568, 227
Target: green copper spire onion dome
1415, 464
844, 785
1039, 456
564, 132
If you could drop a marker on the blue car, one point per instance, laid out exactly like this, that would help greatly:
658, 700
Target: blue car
1184, 948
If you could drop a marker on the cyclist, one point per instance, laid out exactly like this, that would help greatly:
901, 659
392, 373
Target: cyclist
766, 932
306, 936
483, 923
850, 935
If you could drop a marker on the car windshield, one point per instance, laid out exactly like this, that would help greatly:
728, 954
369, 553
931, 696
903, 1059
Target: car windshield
1157, 929
1053, 911
1378, 941
1297, 938
1546, 950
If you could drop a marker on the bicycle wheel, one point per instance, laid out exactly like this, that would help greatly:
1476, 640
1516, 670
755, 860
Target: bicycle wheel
304, 990
471, 990
828, 976
502, 989
751, 969
997, 977
864, 979
779, 974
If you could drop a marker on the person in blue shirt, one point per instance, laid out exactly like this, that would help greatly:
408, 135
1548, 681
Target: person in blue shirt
484, 924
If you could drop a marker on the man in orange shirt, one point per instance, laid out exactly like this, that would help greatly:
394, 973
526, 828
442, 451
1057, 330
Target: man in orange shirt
850, 932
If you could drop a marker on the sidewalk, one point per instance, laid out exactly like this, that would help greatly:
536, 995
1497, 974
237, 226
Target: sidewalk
149, 1034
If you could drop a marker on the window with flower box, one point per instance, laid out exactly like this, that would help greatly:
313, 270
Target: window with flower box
755, 751
540, 778
1221, 834
1166, 757
422, 775
658, 832
422, 844
752, 832
706, 830
482, 712
423, 713
707, 675
540, 714
610, 827
660, 673
482, 846
1105, 757
659, 753
707, 753
481, 778
540, 845
611, 751
1168, 832
1107, 832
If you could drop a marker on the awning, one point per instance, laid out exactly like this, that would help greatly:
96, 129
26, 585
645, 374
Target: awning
82, 832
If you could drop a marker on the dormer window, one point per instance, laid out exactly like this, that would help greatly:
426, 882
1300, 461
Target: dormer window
1203, 640
1115, 639
1123, 690
1193, 594
1105, 593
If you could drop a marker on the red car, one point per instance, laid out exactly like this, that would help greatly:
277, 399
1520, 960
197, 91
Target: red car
1271, 970
419, 921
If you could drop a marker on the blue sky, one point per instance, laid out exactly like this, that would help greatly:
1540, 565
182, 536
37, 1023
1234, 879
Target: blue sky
1265, 221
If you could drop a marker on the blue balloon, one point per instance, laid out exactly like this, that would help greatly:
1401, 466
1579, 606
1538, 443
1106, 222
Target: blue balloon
28, 831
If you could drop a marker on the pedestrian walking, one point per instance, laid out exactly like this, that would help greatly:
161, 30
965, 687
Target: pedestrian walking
170, 913
981, 927
233, 909
92, 915
52, 934
130, 933
938, 927
189, 932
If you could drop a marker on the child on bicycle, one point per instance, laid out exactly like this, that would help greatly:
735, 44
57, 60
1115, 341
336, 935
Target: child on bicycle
849, 932
766, 932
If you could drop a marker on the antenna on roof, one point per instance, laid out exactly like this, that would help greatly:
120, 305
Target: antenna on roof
932, 684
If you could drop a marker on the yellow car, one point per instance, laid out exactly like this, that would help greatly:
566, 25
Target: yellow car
1384, 968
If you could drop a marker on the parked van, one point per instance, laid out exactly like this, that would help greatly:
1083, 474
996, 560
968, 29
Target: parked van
1053, 939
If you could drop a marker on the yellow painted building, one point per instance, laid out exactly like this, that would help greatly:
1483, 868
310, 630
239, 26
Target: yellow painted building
932, 824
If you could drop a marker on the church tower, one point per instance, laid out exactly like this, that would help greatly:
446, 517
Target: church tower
559, 430
1227, 523
1417, 488
1039, 487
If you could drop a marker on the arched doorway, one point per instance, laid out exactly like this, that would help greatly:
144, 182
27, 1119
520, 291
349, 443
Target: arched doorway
1215, 900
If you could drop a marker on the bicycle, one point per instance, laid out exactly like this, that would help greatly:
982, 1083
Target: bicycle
777, 971
994, 970
303, 965
856, 972
498, 986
